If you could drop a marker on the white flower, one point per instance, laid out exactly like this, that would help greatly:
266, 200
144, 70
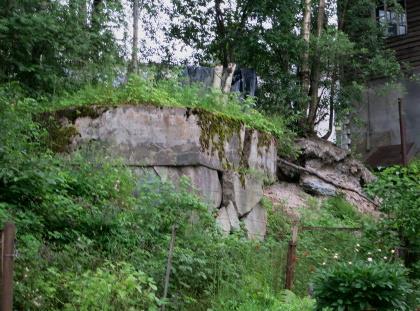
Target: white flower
350, 263
392, 251
335, 256
325, 249
358, 245
356, 250
379, 250
370, 259
324, 263
385, 257
369, 253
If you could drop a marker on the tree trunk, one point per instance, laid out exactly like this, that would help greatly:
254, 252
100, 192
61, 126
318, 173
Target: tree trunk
306, 32
221, 32
227, 77
83, 12
331, 116
133, 68
217, 77
96, 15
316, 71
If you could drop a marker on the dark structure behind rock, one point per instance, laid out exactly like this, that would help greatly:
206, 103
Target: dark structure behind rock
377, 113
244, 80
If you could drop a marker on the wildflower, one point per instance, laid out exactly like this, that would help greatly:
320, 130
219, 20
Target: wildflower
350, 263
392, 251
370, 259
369, 253
335, 256
358, 245
324, 263
379, 250
356, 250
385, 257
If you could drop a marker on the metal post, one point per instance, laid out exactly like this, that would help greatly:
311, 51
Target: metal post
169, 265
291, 258
8, 238
402, 133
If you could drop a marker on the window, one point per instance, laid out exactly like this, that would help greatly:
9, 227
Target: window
393, 18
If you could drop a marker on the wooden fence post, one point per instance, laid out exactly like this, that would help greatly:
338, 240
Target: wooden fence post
291, 258
8, 239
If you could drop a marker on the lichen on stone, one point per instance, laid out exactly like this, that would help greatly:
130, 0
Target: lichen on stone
216, 129
71, 114
59, 135
264, 141
60, 127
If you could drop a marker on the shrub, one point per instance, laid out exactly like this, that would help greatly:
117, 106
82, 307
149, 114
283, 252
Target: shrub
111, 287
362, 286
399, 189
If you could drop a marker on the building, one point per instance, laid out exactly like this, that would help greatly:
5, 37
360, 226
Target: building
375, 130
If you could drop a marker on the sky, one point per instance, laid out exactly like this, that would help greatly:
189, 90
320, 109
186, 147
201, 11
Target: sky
149, 42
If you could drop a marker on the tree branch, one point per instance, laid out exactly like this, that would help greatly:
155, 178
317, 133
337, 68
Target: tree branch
315, 173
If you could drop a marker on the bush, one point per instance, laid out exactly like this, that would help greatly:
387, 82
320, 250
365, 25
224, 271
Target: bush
111, 287
399, 189
362, 286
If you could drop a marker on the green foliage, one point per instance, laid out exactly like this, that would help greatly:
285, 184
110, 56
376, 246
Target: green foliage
399, 189
252, 298
362, 286
331, 212
51, 46
339, 208
320, 247
113, 287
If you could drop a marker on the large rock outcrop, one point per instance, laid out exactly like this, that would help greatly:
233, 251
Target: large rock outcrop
326, 170
216, 152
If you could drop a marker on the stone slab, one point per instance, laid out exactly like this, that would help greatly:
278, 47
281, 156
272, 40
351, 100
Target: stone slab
245, 191
314, 185
256, 223
233, 217
222, 220
205, 181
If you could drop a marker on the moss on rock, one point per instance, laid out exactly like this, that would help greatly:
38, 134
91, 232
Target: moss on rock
216, 129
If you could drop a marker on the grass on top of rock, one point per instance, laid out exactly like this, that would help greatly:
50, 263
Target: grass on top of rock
172, 92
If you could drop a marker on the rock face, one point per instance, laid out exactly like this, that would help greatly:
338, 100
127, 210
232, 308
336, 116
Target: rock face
245, 192
213, 151
336, 173
291, 197
315, 185
152, 136
205, 181
256, 223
